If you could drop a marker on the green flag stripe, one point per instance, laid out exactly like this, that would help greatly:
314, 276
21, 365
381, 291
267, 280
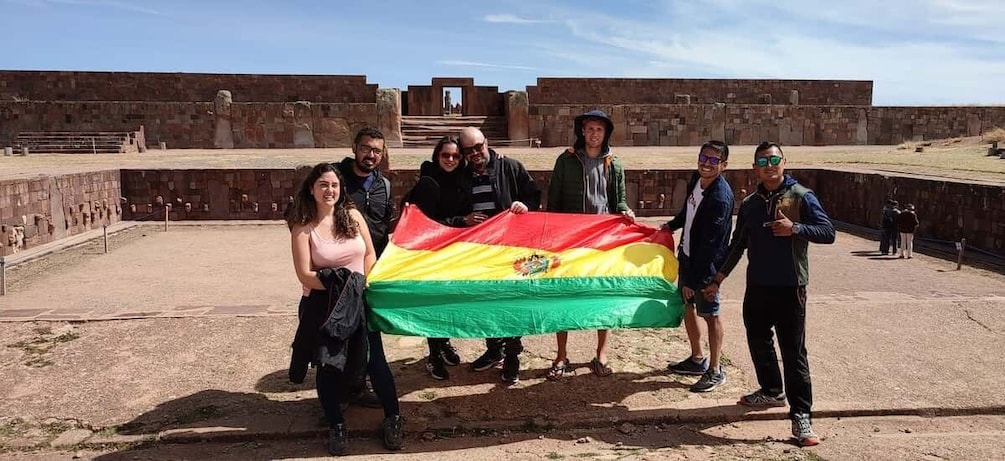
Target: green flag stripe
502, 308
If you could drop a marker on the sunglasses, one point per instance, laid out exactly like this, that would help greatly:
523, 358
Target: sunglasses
475, 148
709, 159
446, 156
363, 150
773, 160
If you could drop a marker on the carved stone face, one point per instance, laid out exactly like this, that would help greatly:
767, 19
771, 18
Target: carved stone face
222, 103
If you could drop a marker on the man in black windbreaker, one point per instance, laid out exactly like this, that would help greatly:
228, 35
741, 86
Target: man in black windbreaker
371, 192
497, 185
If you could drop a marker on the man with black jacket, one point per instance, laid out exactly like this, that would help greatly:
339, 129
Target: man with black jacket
706, 220
497, 185
371, 192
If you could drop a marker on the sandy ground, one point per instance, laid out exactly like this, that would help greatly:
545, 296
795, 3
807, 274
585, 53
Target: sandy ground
962, 158
885, 337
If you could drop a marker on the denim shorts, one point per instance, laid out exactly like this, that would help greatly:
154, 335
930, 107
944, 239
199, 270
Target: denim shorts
685, 278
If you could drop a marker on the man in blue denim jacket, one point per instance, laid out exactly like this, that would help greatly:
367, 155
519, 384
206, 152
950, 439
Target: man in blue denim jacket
777, 224
706, 220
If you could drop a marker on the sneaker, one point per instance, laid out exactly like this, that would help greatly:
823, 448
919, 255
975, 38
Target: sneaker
709, 381
450, 355
511, 369
689, 367
436, 368
802, 430
338, 440
488, 360
763, 399
393, 435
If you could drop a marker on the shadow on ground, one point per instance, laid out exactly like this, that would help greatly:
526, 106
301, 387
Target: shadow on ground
469, 404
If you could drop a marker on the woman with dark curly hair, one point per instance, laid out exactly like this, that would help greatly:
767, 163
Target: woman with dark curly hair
331, 244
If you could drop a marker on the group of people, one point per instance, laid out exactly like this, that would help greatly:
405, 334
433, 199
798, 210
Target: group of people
897, 229
343, 214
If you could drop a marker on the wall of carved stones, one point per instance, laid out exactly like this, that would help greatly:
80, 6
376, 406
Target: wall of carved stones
48, 208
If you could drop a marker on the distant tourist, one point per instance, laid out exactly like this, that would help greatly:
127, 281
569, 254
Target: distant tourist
907, 224
332, 253
888, 238
777, 223
587, 178
706, 220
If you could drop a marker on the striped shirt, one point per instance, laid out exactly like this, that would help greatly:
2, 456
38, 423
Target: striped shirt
483, 197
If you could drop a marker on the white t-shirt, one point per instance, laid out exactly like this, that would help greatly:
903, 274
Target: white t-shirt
693, 201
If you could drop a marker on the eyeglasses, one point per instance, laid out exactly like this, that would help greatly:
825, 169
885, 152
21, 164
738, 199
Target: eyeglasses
773, 160
475, 148
709, 159
363, 150
446, 156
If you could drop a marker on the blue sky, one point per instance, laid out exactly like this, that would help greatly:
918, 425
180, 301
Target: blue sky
920, 52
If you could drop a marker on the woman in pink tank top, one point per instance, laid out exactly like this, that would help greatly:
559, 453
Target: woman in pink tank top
328, 232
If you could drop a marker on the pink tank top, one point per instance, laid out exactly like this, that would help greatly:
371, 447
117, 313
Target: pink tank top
346, 253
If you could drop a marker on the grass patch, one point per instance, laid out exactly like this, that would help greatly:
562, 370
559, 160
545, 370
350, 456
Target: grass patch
554, 455
427, 395
37, 348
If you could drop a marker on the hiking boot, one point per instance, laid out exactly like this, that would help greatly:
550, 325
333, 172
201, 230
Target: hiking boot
689, 367
802, 430
709, 381
488, 360
450, 355
511, 369
436, 368
393, 436
338, 440
760, 398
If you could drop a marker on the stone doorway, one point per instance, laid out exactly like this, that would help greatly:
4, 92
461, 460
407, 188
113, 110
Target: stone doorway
453, 98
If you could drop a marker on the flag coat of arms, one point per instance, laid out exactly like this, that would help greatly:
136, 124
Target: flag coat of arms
523, 274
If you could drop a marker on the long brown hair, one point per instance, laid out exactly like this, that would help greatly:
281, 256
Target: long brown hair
304, 210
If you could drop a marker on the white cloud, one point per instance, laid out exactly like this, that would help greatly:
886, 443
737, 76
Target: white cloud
507, 18
483, 65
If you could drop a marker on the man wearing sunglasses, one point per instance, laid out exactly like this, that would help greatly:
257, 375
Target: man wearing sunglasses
777, 223
497, 185
706, 220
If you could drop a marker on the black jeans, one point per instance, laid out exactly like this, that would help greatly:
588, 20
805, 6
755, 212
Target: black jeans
332, 383
784, 309
511, 346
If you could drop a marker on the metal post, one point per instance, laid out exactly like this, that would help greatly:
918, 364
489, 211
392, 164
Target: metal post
94, 147
962, 246
3, 277
167, 209
104, 234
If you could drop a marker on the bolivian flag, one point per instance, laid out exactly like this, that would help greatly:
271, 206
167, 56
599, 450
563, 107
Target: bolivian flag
522, 274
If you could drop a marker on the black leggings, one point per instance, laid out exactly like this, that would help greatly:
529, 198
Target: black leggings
332, 383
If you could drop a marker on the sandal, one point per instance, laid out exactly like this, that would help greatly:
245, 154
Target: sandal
558, 370
600, 369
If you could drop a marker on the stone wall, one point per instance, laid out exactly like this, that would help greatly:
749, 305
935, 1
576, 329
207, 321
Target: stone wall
182, 87
48, 208
699, 91
692, 124
187, 125
948, 210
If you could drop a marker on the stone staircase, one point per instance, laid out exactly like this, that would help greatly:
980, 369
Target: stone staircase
421, 131
81, 142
